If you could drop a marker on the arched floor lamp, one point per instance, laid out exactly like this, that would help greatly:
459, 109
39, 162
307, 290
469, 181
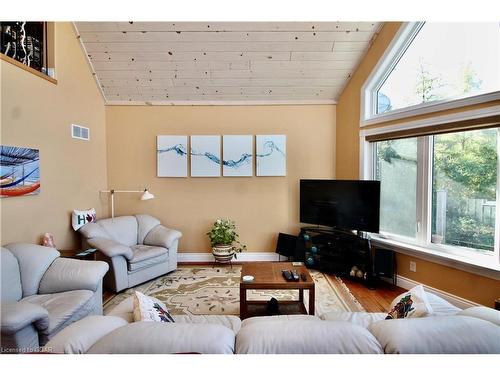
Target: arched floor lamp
146, 195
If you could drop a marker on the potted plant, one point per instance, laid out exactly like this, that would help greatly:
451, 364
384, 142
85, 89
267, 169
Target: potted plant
224, 240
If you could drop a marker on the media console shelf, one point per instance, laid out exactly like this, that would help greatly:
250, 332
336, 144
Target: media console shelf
337, 252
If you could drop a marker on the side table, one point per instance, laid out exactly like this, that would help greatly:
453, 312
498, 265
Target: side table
88, 254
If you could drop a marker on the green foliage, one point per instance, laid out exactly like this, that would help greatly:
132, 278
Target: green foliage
468, 232
388, 150
465, 166
469, 161
223, 232
427, 84
470, 81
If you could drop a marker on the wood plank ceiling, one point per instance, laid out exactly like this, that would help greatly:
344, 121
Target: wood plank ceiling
225, 62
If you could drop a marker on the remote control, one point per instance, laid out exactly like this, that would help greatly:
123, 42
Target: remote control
303, 276
295, 275
287, 275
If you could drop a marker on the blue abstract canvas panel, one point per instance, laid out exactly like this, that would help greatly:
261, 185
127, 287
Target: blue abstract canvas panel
205, 156
238, 155
172, 157
19, 171
270, 155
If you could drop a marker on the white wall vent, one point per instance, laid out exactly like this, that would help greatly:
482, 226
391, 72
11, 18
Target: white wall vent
80, 132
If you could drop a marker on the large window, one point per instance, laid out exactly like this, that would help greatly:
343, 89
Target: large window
440, 192
396, 170
464, 184
432, 64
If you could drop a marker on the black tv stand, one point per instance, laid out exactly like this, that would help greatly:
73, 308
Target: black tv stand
338, 251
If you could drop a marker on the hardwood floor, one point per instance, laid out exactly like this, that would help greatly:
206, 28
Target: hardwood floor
376, 300
107, 295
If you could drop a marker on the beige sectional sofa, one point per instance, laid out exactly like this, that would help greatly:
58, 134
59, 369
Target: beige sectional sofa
450, 330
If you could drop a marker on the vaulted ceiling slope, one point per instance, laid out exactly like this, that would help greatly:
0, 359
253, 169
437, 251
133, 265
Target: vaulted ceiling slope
224, 62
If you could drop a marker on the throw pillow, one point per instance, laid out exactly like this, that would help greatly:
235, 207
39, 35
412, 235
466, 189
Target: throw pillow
80, 218
411, 304
150, 309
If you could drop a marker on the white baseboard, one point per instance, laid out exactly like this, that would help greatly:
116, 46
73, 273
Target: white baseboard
459, 302
243, 257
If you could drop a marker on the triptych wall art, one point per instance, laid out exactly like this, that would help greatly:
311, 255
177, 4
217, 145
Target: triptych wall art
237, 155
271, 155
205, 156
172, 155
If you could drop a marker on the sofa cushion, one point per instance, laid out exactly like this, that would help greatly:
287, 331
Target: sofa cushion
17, 315
157, 338
93, 230
144, 225
122, 229
162, 236
363, 319
66, 274
437, 335
440, 306
229, 321
125, 308
296, 319
61, 306
304, 336
78, 337
482, 312
10, 277
146, 256
33, 262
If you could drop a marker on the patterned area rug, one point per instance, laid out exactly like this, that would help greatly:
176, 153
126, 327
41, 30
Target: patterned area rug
203, 290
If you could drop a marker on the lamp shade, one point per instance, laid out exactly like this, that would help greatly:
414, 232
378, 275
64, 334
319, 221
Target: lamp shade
146, 195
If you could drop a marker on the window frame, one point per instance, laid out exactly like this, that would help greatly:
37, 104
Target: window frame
422, 245
396, 49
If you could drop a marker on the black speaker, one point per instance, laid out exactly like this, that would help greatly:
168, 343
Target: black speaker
286, 244
384, 263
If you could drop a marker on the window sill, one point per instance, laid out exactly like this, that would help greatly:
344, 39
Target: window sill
27, 68
451, 260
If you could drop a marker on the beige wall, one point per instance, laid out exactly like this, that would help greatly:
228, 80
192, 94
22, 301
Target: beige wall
261, 206
348, 106
476, 288
36, 113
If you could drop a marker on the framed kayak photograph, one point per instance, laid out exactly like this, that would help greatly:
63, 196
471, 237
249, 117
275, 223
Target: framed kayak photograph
19, 171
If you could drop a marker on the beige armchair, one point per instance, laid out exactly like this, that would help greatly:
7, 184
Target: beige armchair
43, 293
137, 248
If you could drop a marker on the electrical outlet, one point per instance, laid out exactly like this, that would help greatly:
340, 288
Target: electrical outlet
413, 266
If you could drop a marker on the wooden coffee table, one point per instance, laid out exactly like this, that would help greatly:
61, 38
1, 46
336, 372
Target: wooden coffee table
267, 275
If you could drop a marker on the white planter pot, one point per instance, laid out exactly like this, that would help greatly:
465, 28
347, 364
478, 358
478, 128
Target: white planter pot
223, 253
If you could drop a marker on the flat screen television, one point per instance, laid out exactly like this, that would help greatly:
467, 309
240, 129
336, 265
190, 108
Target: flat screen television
342, 204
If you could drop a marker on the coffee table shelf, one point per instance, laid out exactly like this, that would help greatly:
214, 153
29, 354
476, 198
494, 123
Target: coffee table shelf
267, 275
259, 308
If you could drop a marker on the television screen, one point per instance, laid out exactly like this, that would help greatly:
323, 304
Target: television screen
343, 204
